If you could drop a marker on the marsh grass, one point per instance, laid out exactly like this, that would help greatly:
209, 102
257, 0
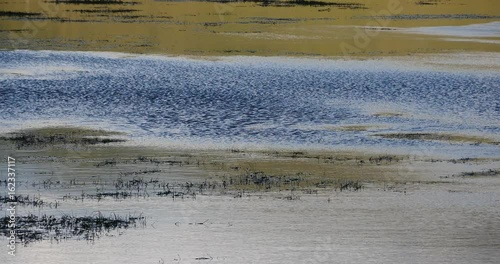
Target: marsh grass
32, 228
125, 172
27, 200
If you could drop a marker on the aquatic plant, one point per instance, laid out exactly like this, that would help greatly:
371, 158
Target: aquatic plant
32, 228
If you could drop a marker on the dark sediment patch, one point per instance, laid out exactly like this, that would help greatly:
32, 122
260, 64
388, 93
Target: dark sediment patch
428, 16
431, 2
18, 14
15, 30
315, 3
104, 11
135, 17
237, 51
268, 20
387, 114
289, 3
33, 140
53, 136
487, 173
440, 137
94, 2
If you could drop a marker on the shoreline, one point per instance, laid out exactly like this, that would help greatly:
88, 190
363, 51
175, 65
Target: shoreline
452, 61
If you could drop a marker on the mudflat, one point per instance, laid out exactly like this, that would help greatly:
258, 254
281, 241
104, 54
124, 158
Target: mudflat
265, 28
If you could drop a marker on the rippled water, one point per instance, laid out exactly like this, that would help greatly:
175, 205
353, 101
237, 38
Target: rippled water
242, 102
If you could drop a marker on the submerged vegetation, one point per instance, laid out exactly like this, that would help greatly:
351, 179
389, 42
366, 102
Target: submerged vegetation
440, 136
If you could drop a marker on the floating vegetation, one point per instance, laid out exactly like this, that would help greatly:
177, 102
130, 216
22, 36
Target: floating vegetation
32, 228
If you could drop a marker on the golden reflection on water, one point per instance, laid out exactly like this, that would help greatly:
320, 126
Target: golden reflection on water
243, 28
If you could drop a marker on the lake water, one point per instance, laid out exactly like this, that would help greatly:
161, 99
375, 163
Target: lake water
253, 102
428, 224
246, 102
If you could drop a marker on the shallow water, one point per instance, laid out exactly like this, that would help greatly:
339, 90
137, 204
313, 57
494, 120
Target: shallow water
475, 30
428, 224
246, 102
251, 102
